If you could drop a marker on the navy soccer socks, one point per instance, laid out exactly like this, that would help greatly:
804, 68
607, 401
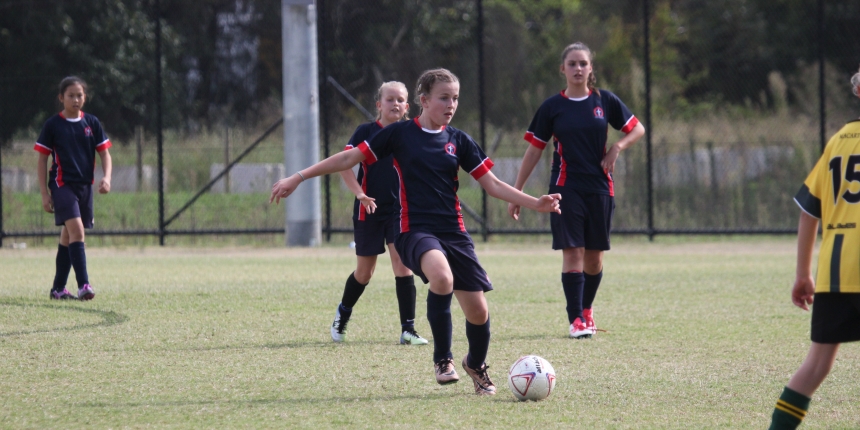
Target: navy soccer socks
439, 317
589, 291
64, 266
405, 287
573, 284
352, 291
479, 343
789, 411
78, 257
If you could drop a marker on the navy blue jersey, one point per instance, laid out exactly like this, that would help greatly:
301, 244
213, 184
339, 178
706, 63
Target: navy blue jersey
578, 128
73, 144
427, 164
379, 180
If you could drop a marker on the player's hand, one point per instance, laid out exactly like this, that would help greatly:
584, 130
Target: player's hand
803, 292
549, 203
514, 211
608, 162
368, 202
104, 186
283, 188
47, 203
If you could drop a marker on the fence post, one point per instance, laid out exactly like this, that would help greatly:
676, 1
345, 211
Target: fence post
226, 159
646, 14
482, 107
138, 132
1, 197
324, 95
822, 109
158, 123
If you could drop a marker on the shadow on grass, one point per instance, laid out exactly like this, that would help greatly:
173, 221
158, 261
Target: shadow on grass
109, 318
287, 401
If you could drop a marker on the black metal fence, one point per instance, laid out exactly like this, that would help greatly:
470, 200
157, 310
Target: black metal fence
737, 97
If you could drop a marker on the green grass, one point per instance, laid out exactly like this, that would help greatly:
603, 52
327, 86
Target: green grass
700, 334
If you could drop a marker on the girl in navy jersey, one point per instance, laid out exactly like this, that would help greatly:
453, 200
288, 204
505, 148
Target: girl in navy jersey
433, 242
72, 138
576, 121
375, 220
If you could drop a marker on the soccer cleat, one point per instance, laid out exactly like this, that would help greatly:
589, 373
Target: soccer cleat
589, 320
338, 327
578, 329
445, 372
480, 378
62, 295
86, 292
411, 337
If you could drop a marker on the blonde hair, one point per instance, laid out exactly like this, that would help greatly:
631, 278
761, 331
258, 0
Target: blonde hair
591, 81
855, 84
394, 85
428, 79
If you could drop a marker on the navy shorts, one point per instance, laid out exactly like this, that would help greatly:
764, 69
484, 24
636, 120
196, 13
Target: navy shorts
72, 201
585, 220
836, 318
459, 251
372, 234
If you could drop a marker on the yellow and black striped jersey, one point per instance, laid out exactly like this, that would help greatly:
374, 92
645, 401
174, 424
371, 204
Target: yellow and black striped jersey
831, 193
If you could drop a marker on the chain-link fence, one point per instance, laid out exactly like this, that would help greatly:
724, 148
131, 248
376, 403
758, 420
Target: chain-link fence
737, 97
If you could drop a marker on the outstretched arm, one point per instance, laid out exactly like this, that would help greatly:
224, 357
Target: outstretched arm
804, 285
503, 191
530, 160
353, 185
336, 163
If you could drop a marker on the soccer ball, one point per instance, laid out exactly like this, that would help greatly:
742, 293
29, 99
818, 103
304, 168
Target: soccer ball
531, 378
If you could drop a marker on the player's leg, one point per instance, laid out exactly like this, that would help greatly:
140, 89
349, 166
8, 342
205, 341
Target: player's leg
598, 223
592, 275
573, 283
77, 249
435, 268
568, 235
474, 306
352, 291
794, 401
63, 265
78, 257
404, 284
470, 284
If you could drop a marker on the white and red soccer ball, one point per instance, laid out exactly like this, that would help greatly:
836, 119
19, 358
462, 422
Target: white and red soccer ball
531, 378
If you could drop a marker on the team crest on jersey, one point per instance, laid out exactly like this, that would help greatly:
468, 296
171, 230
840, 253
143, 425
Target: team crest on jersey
450, 149
88, 131
598, 112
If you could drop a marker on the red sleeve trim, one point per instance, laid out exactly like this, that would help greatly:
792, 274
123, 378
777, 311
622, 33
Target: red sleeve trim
348, 147
482, 168
42, 149
103, 146
631, 123
534, 140
369, 156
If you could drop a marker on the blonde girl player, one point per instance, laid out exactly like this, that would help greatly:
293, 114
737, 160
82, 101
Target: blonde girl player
830, 193
433, 242
376, 220
576, 122
72, 138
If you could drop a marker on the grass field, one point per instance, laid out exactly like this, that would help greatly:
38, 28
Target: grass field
700, 334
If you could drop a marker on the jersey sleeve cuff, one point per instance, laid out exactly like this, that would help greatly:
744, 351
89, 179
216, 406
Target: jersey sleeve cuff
482, 168
534, 140
42, 149
807, 202
103, 146
631, 124
369, 156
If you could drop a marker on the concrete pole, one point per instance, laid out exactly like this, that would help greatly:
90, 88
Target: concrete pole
301, 119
